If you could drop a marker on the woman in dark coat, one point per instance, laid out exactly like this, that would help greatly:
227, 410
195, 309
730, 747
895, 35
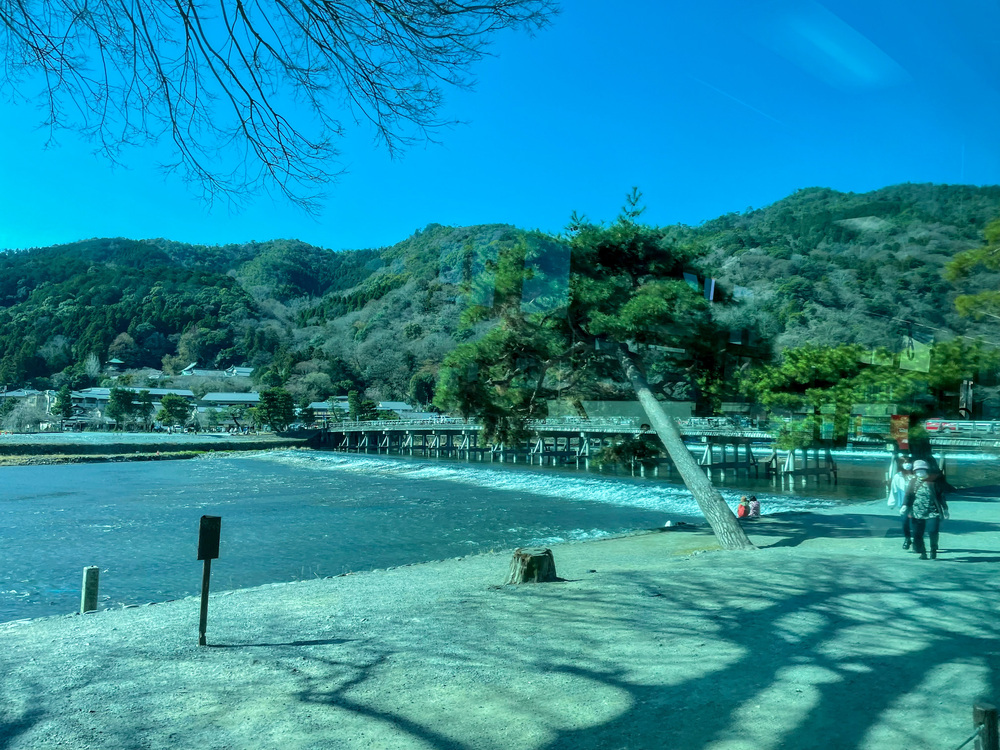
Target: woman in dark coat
926, 506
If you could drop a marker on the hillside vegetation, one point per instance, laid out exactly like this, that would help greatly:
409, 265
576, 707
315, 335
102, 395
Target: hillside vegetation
819, 267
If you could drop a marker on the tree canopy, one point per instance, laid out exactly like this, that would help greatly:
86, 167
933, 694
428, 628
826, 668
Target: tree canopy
276, 408
565, 305
174, 410
618, 309
985, 300
121, 403
64, 402
824, 382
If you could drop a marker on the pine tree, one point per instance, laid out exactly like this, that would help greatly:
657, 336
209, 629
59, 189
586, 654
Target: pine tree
619, 307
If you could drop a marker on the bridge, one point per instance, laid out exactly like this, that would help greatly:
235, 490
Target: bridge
618, 426
705, 429
573, 440
720, 446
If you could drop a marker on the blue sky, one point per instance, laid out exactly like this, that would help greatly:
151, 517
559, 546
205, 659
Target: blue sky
708, 109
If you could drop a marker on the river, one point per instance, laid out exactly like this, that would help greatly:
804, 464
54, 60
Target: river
288, 515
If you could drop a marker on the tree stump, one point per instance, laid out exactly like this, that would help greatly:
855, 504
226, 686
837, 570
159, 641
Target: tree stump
532, 565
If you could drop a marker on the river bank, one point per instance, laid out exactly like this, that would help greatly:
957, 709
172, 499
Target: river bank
297, 514
93, 447
829, 636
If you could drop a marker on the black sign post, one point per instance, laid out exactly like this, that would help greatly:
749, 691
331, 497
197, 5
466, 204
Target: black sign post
209, 531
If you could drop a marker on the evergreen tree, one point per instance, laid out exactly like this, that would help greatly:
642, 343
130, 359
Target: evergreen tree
835, 377
618, 307
980, 259
276, 408
64, 402
368, 410
121, 406
174, 410
422, 388
142, 408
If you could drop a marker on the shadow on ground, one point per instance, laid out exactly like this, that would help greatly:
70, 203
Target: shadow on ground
801, 649
788, 530
847, 656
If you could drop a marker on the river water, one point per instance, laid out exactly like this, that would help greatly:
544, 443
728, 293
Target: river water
288, 515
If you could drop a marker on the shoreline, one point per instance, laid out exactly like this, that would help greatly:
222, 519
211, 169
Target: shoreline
59, 459
651, 640
496, 508
78, 448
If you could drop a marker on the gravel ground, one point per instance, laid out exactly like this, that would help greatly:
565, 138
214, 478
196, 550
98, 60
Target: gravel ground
829, 637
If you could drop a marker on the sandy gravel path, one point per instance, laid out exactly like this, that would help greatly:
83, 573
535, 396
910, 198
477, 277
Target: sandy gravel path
830, 637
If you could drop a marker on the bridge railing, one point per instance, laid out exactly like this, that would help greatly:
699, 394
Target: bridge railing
534, 424
695, 425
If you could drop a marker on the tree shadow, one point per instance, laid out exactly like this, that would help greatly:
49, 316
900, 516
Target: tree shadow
319, 642
791, 530
809, 659
811, 650
19, 687
861, 684
11, 730
971, 551
321, 692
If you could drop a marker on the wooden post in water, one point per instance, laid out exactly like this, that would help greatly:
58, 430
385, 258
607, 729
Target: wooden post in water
209, 531
985, 714
88, 597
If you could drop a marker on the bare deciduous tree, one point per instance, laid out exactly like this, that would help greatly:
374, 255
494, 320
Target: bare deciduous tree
24, 418
92, 366
251, 93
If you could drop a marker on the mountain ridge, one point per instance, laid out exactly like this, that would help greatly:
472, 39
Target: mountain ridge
817, 266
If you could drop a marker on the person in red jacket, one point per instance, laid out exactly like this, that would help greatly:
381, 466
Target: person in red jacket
743, 509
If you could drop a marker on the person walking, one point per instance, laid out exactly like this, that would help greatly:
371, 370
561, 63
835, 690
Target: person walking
897, 497
926, 506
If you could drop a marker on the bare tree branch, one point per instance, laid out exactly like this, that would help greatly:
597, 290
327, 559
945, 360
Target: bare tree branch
252, 94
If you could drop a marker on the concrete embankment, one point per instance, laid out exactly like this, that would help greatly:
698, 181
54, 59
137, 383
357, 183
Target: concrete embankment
830, 636
51, 448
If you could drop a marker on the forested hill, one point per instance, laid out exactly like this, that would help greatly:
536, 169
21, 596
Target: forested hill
819, 266
832, 267
303, 316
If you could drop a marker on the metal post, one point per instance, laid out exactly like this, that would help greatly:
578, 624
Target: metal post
209, 532
88, 598
206, 575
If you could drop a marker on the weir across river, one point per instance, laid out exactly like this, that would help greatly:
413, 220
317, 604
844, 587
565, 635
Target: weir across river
720, 447
573, 441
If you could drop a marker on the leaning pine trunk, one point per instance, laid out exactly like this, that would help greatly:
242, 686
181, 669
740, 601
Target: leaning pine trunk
727, 529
